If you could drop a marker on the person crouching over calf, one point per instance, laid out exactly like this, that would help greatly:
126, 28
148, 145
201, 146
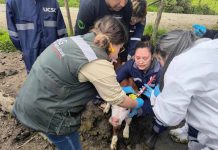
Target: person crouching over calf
66, 76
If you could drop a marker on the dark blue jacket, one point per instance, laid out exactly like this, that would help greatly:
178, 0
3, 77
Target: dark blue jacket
33, 25
135, 33
130, 70
213, 34
92, 10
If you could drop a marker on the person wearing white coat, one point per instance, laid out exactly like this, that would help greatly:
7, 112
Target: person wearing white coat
190, 89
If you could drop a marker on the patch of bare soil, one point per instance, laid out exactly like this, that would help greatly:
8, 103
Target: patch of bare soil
13, 135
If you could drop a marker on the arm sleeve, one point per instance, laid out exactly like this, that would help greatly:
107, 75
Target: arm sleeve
123, 72
85, 18
135, 38
139, 30
12, 30
172, 104
102, 75
61, 27
213, 34
127, 14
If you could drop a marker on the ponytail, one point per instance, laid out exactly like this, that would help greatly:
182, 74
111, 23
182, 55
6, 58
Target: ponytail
102, 40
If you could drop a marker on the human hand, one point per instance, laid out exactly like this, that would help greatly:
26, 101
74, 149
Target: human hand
128, 89
149, 91
140, 103
199, 30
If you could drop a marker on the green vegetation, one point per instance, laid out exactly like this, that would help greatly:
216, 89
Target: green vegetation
149, 29
215, 27
153, 7
5, 43
188, 6
2, 1
71, 3
212, 4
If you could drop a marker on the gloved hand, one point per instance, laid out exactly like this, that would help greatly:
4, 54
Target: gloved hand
128, 89
149, 91
199, 30
140, 103
133, 112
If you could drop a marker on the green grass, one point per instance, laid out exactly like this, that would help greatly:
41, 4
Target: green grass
71, 3
5, 42
149, 29
2, 1
152, 8
215, 27
212, 4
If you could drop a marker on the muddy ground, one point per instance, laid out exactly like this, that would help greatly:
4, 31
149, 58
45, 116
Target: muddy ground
95, 129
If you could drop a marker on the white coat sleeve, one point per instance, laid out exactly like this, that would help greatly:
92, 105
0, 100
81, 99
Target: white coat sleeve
172, 104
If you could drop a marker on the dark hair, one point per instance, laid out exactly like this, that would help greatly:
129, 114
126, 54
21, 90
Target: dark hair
139, 8
146, 44
109, 30
145, 38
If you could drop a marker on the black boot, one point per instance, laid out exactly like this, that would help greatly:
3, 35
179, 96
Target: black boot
150, 143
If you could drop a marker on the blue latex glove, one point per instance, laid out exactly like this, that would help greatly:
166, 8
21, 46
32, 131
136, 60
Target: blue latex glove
128, 89
140, 103
199, 30
149, 90
133, 112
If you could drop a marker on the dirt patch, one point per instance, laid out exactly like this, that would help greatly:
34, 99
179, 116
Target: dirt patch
12, 75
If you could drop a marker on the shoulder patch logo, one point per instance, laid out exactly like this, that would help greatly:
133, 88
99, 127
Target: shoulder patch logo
81, 24
52, 10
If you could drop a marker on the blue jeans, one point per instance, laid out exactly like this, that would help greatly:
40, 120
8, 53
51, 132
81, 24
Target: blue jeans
66, 142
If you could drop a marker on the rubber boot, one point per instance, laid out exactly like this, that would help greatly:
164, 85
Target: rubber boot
150, 143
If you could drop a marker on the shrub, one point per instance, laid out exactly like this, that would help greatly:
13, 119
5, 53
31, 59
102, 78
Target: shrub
5, 43
149, 29
178, 6
202, 10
